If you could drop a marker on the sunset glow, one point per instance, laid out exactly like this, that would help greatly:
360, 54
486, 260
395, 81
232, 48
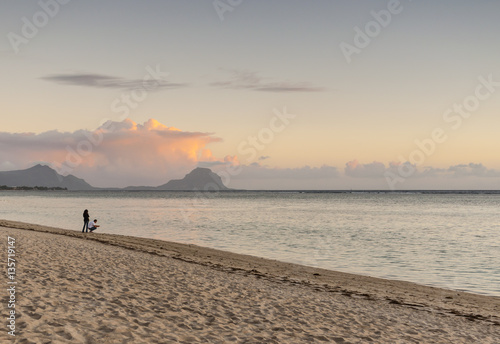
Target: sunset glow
194, 92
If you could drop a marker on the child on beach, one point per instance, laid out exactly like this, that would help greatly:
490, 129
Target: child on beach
93, 225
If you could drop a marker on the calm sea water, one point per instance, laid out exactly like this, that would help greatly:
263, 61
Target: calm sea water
444, 240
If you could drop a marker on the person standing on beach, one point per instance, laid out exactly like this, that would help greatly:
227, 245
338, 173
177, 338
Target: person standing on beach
86, 221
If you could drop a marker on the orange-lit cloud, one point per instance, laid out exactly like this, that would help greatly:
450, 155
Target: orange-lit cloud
115, 154
120, 154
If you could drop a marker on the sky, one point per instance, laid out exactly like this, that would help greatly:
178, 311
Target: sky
268, 94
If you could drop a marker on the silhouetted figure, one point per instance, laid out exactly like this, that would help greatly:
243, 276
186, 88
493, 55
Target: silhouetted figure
86, 218
93, 226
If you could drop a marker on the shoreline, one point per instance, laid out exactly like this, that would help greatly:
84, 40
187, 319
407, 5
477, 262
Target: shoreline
413, 295
157, 291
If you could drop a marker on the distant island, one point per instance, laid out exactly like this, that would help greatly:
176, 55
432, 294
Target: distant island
202, 179
30, 188
42, 177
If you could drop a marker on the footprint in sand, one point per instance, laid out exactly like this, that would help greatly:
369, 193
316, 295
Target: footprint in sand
65, 334
34, 315
106, 329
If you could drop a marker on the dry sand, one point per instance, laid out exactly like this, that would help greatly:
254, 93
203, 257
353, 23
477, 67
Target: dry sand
100, 288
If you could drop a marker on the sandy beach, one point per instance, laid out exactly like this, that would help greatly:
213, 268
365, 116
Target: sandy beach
100, 288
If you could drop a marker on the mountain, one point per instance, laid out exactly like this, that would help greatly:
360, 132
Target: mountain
200, 179
45, 176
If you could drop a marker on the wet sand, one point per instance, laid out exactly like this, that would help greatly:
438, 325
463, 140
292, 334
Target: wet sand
78, 287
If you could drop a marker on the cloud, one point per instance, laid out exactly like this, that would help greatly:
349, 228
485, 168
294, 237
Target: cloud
8, 53
372, 170
463, 170
106, 81
257, 176
377, 170
7, 166
377, 175
116, 154
210, 164
252, 81
257, 171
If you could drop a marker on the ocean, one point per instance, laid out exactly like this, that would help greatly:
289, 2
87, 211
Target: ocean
439, 239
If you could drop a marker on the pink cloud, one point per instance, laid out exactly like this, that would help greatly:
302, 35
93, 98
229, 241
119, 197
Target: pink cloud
116, 154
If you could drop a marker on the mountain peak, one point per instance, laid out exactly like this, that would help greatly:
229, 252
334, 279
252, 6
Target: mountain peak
40, 166
200, 171
42, 176
199, 179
